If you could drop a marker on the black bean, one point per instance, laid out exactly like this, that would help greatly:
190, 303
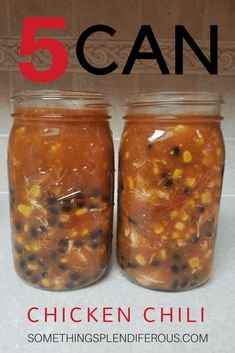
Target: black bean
45, 274
184, 283
52, 221
132, 265
63, 245
53, 210
19, 249
33, 231
62, 267
174, 268
149, 146
70, 285
95, 244
51, 200
75, 276
18, 226
168, 182
175, 285
200, 208
96, 233
67, 208
32, 257
176, 257
78, 243
155, 263
80, 203
23, 263
133, 221
187, 191
29, 273
35, 279
175, 150
184, 267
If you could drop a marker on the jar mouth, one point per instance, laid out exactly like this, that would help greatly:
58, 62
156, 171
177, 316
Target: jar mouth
66, 99
148, 99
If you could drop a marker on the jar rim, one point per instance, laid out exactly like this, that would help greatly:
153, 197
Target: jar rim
58, 94
180, 98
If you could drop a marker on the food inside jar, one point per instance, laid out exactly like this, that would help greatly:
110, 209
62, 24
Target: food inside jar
61, 181
170, 178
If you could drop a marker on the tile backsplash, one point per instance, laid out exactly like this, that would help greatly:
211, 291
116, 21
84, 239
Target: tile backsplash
126, 18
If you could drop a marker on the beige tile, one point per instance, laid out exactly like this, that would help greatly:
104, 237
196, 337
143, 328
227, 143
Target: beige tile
164, 15
221, 13
38, 8
20, 83
5, 103
3, 19
118, 88
155, 82
123, 16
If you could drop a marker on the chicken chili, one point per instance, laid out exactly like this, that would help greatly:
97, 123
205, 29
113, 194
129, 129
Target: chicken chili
170, 176
60, 160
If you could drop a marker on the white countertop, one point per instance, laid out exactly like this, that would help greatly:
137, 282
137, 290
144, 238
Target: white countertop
217, 297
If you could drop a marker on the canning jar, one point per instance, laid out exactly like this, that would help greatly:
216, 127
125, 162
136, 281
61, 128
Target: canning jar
60, 162
170, 176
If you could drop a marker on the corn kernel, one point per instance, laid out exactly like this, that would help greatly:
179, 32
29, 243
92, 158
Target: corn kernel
63, 260
130, 182
184, 217
156, 170
179, 226
32, 266
194, 262
35, 247
190, 182
163, 254
35, 191
27, 247
162, 194
158, 229
21, 130
24, 210
85, 231
140, 259
45, 282
64, 218
177, 173
81, 211
174, 214
55, 147
206, 197
187, 157
180, 128
26, 228
164, 237
19, 239
175, 234
181, 242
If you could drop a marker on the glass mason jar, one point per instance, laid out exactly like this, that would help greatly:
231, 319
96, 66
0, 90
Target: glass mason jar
60, 161
170, 176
